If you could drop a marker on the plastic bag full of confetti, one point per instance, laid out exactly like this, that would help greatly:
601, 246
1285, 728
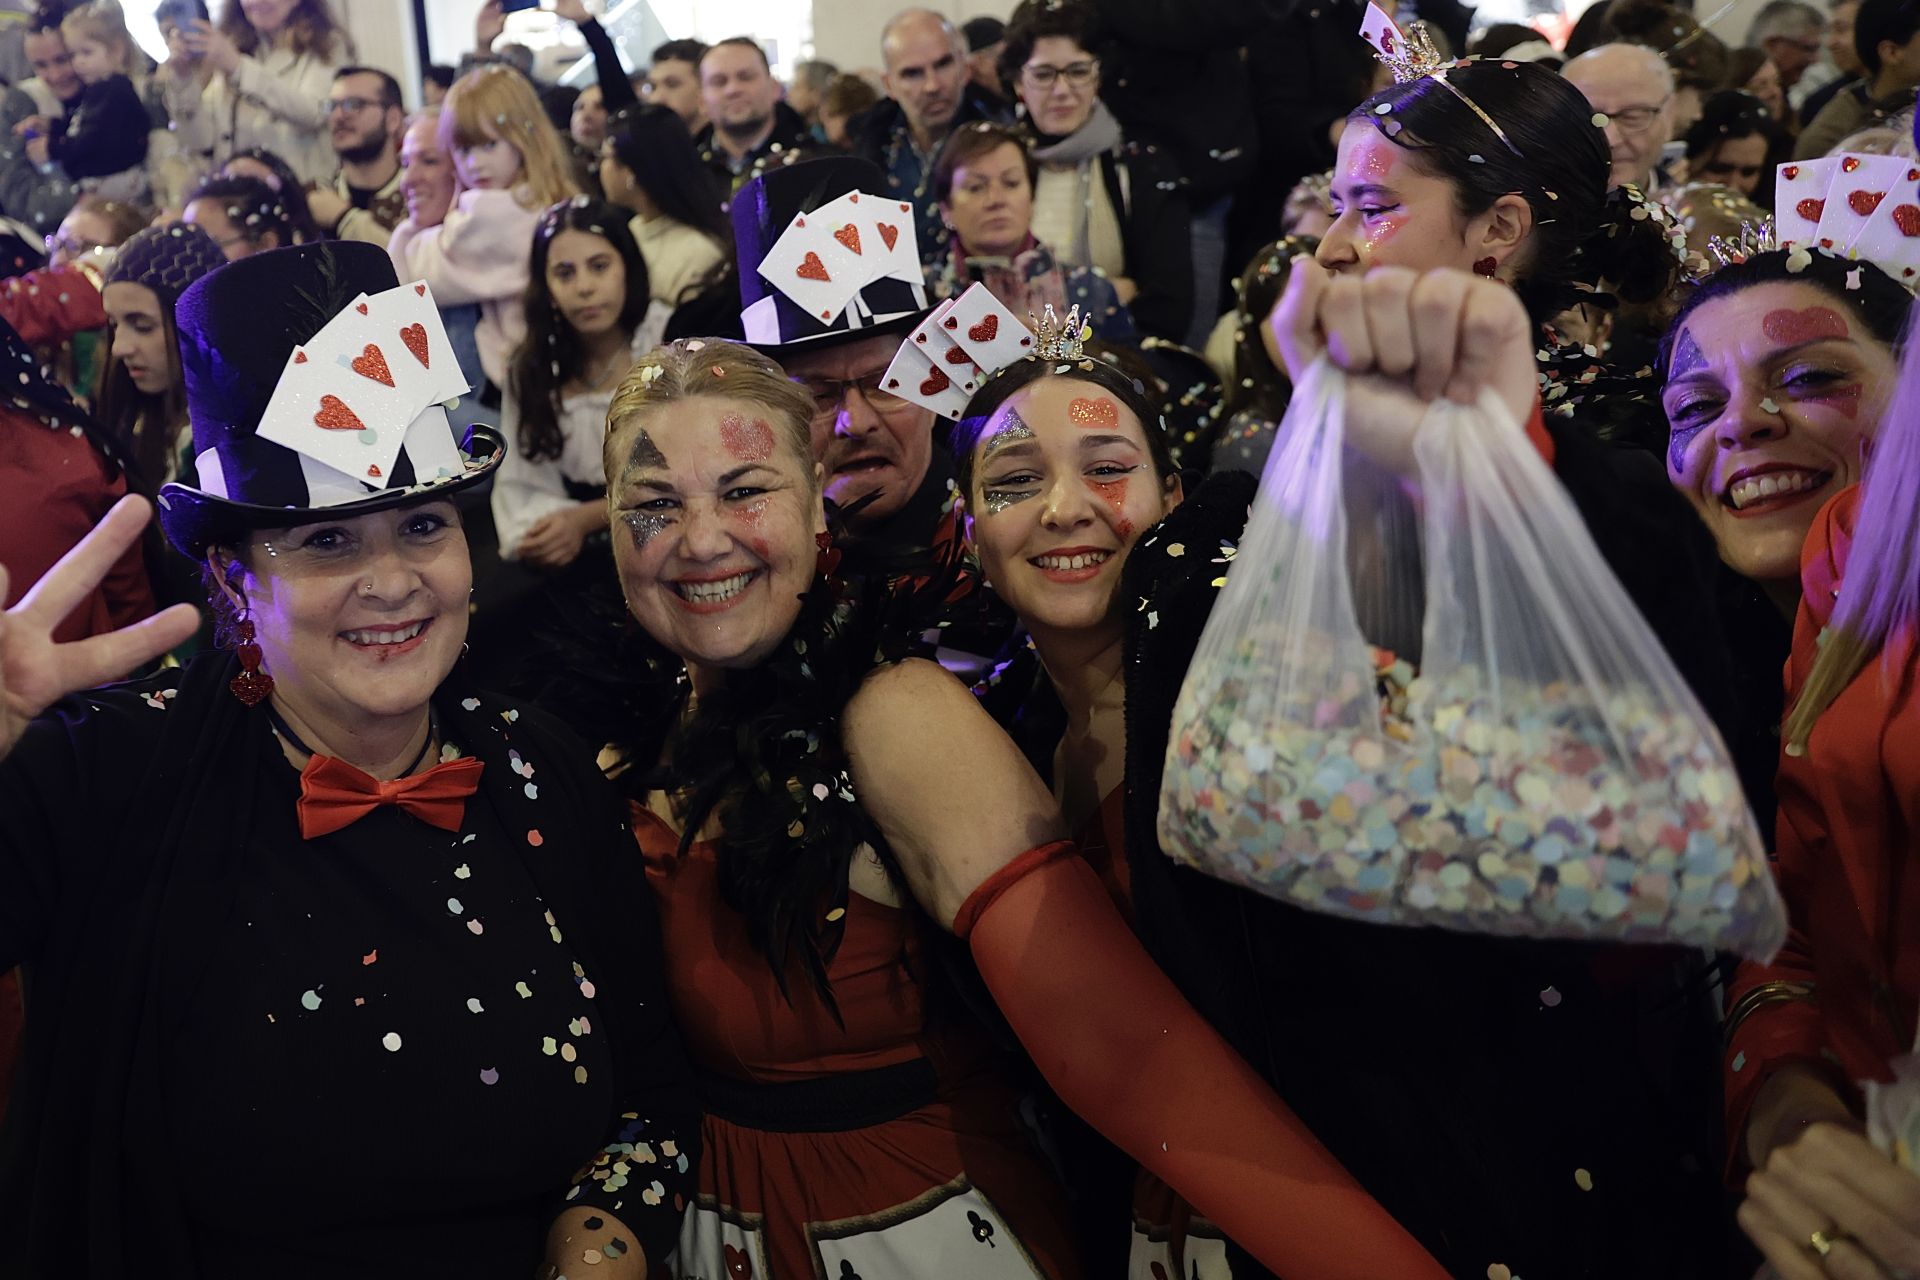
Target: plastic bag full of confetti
1446, 711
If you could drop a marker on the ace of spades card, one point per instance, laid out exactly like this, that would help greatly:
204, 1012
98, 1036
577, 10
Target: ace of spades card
981, 324
963, 1235
419, 352
339, 402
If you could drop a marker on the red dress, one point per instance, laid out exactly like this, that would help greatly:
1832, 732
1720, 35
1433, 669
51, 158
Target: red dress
878, 1148
1846, 989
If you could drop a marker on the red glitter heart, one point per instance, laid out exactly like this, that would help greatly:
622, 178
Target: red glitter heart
299, 357
892, 383
415, 336
1826, 244
361, 308
920, 338
811, 268
849, 236
889, 233
1907, 218
373, 472
1794, 328
986, 330
420, 290
1094, 413
249, 655
1850, 164
936, 382
1791, 172
951, 322
854, 198
370, 363
1865, 202
956, 356
333, 415
1811, 209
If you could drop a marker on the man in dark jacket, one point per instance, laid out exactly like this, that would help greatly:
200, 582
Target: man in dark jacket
749, 122
927, 76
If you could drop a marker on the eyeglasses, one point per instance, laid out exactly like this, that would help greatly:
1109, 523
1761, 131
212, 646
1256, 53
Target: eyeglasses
830, 393
352, 106
1637, 119
1078, 74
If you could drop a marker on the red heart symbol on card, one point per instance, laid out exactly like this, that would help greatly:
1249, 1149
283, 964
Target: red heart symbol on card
1907, 218
299, 357
1850, 164
1865, 202
420, 290
849, 236
920, 338
1811, 209
1826, 244
333, 415
889, 233
892, 383
373, 472
1790, 172
956, 356
1094, 413
739, 1266
811, 268
951, 322
361, 308
1026, 341
370, 363
936, 382
986, 330
415, 336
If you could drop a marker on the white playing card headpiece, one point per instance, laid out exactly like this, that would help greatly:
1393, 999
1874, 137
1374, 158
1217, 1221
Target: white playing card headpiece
827, 256
956, 349
1865, 208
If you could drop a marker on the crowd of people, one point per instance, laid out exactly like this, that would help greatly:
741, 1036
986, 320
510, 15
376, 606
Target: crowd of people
558, 649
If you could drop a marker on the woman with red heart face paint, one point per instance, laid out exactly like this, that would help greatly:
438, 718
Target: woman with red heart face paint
984, 185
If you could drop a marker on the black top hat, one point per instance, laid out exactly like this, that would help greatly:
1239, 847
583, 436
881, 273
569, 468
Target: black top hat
762, 210
238, 330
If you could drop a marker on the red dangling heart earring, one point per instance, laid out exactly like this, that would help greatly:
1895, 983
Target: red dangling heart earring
252, 685
1486, 266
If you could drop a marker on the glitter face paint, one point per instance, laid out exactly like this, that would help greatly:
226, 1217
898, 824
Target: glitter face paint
1114, 494
1014, 429
1687, 359
1093, 411
748, 439
645, 455
1843, 400
1791, 328
645, 526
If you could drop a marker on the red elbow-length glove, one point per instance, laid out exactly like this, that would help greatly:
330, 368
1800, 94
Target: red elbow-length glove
1123, 1048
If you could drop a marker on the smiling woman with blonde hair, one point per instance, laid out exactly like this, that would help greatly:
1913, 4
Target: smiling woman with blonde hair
258, 79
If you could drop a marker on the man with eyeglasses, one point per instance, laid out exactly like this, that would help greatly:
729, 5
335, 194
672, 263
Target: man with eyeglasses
927, 77
365, 121
1631, 86
1790, 32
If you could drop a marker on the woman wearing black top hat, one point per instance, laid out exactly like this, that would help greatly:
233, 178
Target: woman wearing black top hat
335, 966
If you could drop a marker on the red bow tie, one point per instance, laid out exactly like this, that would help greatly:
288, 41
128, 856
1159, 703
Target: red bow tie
334, 794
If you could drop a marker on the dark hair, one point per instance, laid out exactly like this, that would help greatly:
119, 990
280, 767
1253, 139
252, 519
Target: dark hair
1895, 20
1035, 20
848, 96
1880, 303
681, 51
441, 74
292, 192
389, 87
1729, 116
1258, 386
47, 18
122, 219
252, 206
1000, 388
983, 32
1743, 64
1582, 233
653, 142
1500, 37
739, 42
1697, 57
551, 354
310, 29
148, 427
968, 143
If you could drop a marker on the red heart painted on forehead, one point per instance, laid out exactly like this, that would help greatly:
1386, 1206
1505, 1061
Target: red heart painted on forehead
1791, 328
1865, 202
333, 415
370, 363
849, 236
1094, 413
415, 336
1907, 218
889, 233
1811, 209
986, 330
956, 356
936, 382
811, 268
1790, 172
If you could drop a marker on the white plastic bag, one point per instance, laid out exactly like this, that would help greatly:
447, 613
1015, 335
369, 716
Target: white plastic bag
1546, 773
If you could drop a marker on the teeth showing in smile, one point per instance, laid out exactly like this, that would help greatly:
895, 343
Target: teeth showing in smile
713, 592
1085, 560
1744, 493
385, 637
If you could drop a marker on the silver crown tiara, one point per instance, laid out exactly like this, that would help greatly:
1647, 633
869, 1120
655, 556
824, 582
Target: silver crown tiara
1753, 239
1059, 339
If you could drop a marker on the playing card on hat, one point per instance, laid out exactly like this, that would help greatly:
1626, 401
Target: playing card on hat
1891, 238
992, 335
880, 229
1859, 186
1800, 197
852, 229
913, 377
424, 357
337, 402
813, 269
944, 352
1380, 31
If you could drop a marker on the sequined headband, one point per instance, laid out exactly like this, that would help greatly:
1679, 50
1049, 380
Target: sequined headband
1413, 57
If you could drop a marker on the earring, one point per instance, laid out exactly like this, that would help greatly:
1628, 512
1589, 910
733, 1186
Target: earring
828, 559
1486, 266
252, 685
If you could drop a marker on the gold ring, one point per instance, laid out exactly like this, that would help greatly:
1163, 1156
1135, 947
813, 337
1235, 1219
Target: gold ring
1822, 1242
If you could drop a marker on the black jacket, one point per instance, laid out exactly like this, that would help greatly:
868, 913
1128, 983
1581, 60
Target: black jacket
105, 134
1156, 231
789, 131
881, 134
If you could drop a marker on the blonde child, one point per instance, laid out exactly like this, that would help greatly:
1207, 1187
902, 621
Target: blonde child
511, 164
102, 144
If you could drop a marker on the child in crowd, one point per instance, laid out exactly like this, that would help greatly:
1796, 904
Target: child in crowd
102, 144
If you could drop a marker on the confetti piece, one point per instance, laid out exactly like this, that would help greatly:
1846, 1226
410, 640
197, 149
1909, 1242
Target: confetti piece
836, 915
454, 905
579, 1075
371, 956
532, 790
489, 1076
475, 928
358, 1001
1550, 998
567, 1052
474, 1005
591, 1257
1499, 1271
549, 1046
1583, 1179
1176, 549
462, 872
392, 1041
535, 839
1768, 406
526, 992
471, 704
586, 989
1739, 1060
